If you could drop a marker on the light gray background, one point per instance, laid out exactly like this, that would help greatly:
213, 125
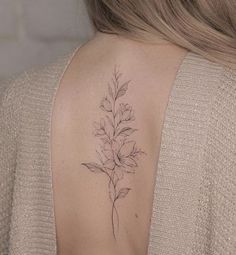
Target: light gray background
34, 32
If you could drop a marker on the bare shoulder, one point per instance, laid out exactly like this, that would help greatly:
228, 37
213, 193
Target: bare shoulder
106, 133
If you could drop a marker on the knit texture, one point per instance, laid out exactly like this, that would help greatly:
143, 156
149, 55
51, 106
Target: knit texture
27, 220
194, 209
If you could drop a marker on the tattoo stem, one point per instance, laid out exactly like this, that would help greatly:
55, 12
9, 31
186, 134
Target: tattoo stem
113, 218
114, 116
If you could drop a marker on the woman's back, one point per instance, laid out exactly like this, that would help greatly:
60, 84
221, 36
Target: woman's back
106, 134
110, 145
137, 153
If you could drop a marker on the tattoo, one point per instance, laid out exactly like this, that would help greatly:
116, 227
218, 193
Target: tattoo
118, 155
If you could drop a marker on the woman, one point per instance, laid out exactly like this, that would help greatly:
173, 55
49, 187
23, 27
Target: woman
128, 144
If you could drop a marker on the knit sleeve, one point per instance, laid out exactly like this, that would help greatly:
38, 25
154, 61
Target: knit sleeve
219, 174
10, 104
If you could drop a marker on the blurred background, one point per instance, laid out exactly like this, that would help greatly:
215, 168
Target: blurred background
35, 32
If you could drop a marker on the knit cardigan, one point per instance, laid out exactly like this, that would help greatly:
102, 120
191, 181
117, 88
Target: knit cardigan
194, 205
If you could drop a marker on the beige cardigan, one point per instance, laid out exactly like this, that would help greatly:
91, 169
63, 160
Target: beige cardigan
194, 206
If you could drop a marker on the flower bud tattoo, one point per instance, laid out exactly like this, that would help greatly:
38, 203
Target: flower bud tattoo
118, 155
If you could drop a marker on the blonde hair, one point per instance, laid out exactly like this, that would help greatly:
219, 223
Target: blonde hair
206, 27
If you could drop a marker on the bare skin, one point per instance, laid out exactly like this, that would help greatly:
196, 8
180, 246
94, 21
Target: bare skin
93, 215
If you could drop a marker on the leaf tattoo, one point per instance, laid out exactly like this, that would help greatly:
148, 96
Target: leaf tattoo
118, 156
123, 192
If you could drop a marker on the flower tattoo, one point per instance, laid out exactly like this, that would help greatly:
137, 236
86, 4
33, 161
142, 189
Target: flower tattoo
118, 155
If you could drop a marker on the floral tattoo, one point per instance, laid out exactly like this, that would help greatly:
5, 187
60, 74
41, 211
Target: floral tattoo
118, 155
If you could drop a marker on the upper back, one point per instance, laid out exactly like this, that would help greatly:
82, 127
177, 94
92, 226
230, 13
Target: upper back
106, 131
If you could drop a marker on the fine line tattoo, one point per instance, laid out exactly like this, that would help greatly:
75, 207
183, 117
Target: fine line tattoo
118, 155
